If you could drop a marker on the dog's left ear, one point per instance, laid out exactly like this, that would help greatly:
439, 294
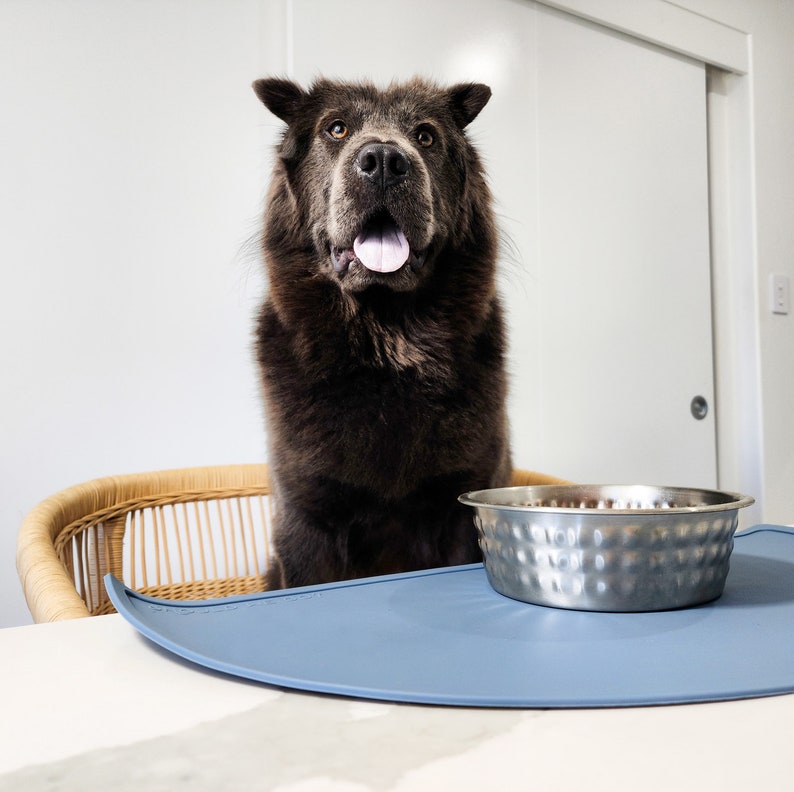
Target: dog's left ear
282, 97
467, 100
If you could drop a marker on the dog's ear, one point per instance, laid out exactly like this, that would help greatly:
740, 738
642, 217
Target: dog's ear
467, 100
282, 97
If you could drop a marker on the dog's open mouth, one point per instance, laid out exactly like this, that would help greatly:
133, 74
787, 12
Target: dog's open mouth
381, 246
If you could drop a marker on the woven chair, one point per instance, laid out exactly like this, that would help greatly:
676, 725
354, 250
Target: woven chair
194, 533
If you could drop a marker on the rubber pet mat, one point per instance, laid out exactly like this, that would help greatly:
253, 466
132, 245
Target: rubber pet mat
444, 636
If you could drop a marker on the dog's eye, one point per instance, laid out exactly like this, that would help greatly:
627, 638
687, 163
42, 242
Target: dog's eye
338, 130
425, 138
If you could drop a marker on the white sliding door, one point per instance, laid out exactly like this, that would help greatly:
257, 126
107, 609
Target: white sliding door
623, 259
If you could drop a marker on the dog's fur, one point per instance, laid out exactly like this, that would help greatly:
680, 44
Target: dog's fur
384, 391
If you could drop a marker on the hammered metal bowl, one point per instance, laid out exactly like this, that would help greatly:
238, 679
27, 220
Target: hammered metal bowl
607, 548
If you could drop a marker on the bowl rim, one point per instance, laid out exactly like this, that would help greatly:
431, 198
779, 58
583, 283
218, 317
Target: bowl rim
483, 498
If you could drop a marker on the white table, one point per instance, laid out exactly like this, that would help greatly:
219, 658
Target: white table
89, 704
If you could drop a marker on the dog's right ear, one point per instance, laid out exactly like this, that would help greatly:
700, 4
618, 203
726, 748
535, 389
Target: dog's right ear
282, 97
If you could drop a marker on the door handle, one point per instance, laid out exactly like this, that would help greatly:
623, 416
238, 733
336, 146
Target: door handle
699, 408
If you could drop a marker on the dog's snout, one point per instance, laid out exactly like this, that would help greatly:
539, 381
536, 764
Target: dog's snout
382, 164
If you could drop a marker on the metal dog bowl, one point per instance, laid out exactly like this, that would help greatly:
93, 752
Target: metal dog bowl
607, 548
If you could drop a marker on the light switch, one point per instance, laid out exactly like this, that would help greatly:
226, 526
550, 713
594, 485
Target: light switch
778, 293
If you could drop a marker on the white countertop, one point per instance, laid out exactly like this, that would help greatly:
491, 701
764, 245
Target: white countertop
89, 704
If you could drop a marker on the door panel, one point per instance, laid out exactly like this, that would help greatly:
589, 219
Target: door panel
625, 317
596, 149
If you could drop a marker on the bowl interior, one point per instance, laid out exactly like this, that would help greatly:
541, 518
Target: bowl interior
611, 498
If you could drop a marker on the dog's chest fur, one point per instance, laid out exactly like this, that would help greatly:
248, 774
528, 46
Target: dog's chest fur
379, 407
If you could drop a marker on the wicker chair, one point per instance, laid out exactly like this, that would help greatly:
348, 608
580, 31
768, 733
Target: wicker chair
194, 533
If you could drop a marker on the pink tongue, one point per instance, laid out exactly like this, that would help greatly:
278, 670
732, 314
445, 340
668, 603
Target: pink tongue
382, 248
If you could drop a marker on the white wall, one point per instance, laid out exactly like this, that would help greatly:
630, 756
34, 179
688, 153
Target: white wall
132, 170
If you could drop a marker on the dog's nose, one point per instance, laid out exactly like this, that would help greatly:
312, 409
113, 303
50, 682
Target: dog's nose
383, 164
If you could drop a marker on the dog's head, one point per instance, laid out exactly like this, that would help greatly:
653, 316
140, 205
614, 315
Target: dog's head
377, 183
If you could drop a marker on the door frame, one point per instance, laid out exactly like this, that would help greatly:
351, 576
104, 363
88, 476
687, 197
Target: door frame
669, 26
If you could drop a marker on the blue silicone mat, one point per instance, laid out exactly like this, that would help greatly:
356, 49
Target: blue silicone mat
445, 636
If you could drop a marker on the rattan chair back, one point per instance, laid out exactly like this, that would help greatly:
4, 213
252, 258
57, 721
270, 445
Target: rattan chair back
194, 533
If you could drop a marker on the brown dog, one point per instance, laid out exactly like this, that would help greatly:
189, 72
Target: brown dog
381, 340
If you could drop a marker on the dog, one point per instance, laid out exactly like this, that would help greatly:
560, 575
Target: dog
381, 341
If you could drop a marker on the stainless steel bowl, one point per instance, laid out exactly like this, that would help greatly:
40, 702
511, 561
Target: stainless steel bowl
607, 548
